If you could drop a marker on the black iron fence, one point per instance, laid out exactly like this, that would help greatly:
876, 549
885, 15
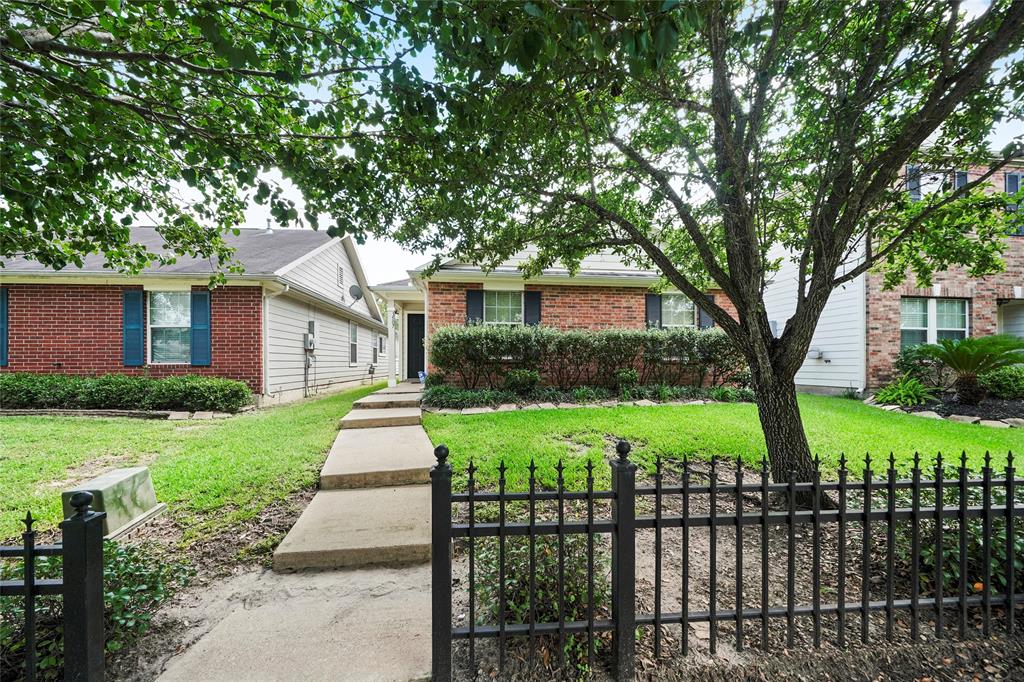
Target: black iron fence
941, 550
81, 586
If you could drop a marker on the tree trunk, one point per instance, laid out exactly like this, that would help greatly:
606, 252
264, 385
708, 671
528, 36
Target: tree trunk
788, 449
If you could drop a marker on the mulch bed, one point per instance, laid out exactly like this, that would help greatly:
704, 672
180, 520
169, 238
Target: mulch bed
990, 408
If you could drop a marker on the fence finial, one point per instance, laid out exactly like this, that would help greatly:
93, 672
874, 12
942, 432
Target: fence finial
441, 452
623, 447
28, 521
81, 501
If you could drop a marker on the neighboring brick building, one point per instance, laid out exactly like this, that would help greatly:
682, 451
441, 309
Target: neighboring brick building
167, 321
863, 326
605, 294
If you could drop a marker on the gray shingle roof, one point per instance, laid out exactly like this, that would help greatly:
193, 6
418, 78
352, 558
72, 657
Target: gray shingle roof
261, 253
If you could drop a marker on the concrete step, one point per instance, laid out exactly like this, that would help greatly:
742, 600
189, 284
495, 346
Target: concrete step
348, 528
385, 400
390, 416
385, 456
404, 387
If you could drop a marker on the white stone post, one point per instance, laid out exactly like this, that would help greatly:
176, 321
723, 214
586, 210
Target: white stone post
391, 345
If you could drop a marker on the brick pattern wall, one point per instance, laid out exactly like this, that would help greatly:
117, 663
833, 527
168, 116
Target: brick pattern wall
77, 329
561, 306
984, 295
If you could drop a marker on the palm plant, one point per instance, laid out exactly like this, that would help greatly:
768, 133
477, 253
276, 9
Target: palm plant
971, 357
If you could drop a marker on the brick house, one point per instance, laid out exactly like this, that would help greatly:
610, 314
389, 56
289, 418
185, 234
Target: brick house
863, 326
604, 293
168, 321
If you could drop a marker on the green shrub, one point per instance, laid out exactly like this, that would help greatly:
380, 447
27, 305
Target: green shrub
973, 357
521, 381
1006, 383
22, 390
906, 391
434, 379
575, 605
137, 579
917, 362
626, 377
457, 398
584, 394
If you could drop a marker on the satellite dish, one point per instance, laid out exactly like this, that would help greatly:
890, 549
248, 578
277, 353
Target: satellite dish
355, 292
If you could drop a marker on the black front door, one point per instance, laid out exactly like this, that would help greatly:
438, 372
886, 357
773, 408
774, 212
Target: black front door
414, 342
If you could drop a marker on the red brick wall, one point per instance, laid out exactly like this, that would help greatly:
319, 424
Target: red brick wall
561, 306
77, 329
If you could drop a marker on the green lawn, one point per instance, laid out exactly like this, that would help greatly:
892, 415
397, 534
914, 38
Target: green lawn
834, 426
210, 473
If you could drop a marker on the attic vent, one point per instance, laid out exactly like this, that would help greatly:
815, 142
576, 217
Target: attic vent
341, 280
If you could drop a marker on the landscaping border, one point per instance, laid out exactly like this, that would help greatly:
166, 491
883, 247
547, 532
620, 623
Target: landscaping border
1008, 423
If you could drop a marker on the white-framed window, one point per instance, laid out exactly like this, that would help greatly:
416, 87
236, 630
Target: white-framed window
382, 343
927, 320
375, 344
677, 311
170, 327
503, 307
353, 343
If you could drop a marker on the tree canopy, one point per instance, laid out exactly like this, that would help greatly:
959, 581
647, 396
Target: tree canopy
119, 113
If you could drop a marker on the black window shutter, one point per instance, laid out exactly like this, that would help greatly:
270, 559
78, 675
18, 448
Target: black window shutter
652, 307
474, 306
705, 319
531, 307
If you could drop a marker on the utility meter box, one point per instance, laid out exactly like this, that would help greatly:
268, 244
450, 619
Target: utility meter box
309, 338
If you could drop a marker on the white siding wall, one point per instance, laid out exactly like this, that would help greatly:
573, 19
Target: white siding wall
320, 274
840, 334
288, 321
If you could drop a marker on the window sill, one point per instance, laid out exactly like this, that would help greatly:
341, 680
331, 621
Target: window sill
170, 364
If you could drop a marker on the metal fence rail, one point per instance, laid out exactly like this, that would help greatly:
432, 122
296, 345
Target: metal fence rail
81, 586
868, 506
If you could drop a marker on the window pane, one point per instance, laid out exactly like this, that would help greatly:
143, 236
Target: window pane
503, 307
170, 308
912, 337
913, 312
676, 311
170, 344
950, 334
951, 314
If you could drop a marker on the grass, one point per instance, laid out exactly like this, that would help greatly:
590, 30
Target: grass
211, 474
834, 426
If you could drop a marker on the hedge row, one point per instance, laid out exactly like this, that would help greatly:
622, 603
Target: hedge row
22, 390
457, 398
479, 355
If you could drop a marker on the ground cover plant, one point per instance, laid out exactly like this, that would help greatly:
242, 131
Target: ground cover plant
834, 426
212, 474
24, 390
456, 398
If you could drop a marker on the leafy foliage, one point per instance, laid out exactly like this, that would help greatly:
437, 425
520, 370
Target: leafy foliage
481, 354
547, 608
917, 362
1006, 383
906, 391
521, 380
458, 398
137, 579
166, 112
24, 390
974, 356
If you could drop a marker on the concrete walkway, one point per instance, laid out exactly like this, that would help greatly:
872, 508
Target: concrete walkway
371, 516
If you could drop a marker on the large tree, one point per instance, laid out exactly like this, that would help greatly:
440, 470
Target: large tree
710, 140
118, 113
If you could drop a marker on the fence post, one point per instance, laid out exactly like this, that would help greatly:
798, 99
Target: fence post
83, 591
441, 565
623, 563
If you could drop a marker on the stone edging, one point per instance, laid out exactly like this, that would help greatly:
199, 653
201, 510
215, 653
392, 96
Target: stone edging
132, 414
1008, 423
512, 407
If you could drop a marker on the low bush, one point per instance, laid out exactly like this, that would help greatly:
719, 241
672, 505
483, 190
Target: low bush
1006, 383
521, 380
479, 355
917, 362
575, 604
22, 390
626, 377
906, 391
457, 398
434, 379
137, 579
